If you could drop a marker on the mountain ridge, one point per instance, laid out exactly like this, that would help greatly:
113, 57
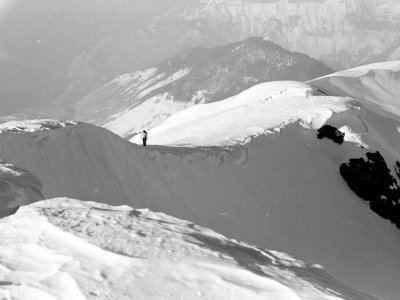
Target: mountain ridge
262, 191
143, 99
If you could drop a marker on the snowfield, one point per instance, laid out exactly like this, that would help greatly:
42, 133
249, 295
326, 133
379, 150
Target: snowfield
251, 168
67, 249
25, 126
279, 191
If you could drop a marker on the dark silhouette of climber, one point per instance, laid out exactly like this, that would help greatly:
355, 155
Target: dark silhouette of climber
144, 138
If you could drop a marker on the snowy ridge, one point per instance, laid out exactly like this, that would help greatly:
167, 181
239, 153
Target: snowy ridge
393, 66
270, 180
144, 99
263, 192
67, 249
264, 107
376, 86
24, 126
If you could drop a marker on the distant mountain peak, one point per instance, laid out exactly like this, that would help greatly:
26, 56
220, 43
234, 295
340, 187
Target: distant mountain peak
341, 33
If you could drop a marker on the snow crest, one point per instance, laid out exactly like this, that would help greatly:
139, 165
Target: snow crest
258, 110
67, 249
34, 125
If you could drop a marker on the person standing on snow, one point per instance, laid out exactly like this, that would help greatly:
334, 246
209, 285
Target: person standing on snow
144, 138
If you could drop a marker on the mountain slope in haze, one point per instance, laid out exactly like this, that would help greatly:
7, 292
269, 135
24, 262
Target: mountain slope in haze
67, 249
377, 86
90, 47
343, 34
269, 179
97, 41
143, 99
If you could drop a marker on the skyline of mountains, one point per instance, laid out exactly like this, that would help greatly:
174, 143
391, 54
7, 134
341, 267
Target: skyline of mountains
42, 68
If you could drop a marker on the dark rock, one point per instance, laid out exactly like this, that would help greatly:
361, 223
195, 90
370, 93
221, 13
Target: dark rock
332, 133
372, 181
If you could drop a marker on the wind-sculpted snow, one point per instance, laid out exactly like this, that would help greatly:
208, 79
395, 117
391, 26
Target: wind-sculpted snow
263, 108
24, 126
376, 86
17, 187
280, 191
67, 249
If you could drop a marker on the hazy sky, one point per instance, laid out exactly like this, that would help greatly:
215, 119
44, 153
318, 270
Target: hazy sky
39, 39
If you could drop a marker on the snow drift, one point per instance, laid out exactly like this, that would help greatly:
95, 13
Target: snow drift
67, 249
376, 86
280, 189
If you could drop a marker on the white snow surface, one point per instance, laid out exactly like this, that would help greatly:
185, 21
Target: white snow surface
375, 86
363, 70
264, 107
146, 115
33, 125
66, 249
122, 107
280, 189
173, 77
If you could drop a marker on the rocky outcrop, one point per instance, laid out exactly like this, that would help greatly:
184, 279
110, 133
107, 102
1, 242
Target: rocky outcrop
372, 181
332, 133
17, 187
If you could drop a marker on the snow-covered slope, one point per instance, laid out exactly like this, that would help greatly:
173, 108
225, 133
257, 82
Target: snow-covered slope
18, 186
67, 249
260, 109
281, 189
144, 99
377, 86
341, 33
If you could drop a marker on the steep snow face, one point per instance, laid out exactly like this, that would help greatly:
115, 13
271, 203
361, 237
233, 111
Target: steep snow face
376, 86
67, 249
280, 190
144, 99
264, 107
17, 187
341, 33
